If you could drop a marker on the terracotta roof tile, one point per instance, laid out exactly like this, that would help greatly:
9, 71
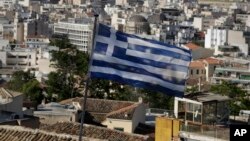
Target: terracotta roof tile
124, 113
192, 46
196, 64
18, 133
212, 61
92, 132
100, 108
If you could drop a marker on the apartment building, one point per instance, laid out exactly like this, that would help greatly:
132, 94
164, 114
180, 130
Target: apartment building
221, 40
20, 58
79, 32
7, 3
37, 41
203, 23
215, 37
219, 3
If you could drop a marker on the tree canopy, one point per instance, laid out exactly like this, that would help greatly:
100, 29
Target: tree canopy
26, 83
239, 99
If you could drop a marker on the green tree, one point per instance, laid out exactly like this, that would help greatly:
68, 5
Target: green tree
26, 83
19, 78
100, 88
71, 64
238, 96
32, 91
157, 99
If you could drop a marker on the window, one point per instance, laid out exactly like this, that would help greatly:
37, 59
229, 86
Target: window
191, 72
197, 71
118, 128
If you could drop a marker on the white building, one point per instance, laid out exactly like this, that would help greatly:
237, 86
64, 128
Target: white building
214, 38
36, 41
24, 3
20, 58
203, 23
79, 32
10, 101
222, 39
170, 3
7, 3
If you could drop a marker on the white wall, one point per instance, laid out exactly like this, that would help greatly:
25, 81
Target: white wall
214, 38
3, 58
139, 116
119, 123
236, 38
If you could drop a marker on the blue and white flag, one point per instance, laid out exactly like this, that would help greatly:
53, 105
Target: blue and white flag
139, 62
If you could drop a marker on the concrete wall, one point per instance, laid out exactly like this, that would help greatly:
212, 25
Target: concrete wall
139, 116
202, 53
14, 105
127, 125
52, 118
3, 58
236, 38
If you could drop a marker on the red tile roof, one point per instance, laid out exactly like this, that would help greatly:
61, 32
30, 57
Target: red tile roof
196, 64
100, 108
212, 61
17, 133
192, 46
91, 131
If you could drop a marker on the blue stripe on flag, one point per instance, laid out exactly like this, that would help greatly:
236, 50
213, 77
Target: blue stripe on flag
104, 30
101, 48
137, 70
121, 54
137, 83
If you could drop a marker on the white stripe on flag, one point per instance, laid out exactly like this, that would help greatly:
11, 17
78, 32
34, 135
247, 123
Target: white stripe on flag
107, 40
158, 58
166, 73
138, 77
149, 44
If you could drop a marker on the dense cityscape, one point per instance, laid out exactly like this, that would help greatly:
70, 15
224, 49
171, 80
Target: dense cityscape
124, 70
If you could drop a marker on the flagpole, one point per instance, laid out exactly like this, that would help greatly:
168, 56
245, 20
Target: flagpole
87, 80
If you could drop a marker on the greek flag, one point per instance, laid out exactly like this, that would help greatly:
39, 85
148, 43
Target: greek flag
139, 62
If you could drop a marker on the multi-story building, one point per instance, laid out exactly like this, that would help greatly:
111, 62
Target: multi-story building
215, 37
219, 3
242, 18
7, 3
24, 3
37, 41
203, 23
6, 29
20, 58
79, 32
36, 27
221, 40
239, 75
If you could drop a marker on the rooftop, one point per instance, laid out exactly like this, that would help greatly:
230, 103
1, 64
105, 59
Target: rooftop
212, 61
192, 46
196, 64
91, 131
4, 93
17, 133
207, 97
103, 108
77, 20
